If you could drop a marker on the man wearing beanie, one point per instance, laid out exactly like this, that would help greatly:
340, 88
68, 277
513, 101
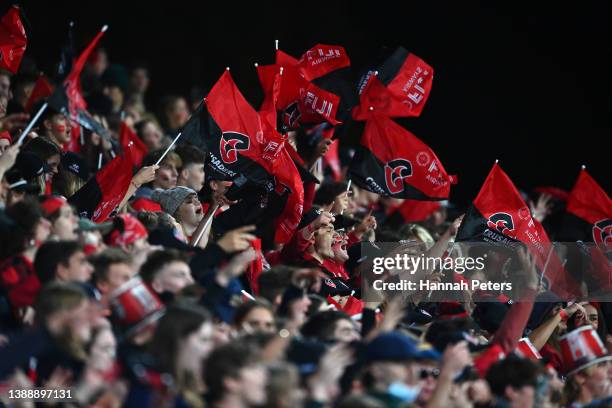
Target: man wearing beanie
182, 204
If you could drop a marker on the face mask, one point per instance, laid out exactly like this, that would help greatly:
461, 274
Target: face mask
404, 392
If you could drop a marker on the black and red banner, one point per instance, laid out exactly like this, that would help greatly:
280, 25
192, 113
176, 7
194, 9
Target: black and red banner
69, 100
240, 144
101, 195
393, 162
13, 40
297, 100
499, 215
399, 87
589, 219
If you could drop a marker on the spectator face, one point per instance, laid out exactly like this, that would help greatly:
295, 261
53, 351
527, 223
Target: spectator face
66, 224
172, 278
53, 163
151, 136
117, 275
80, 320
4, 143
190, 211
139, 80
591, 317
521, 397
166, 176
178, 113
258, 320
339, 248
323, 241
57, 127
115, 94
78, 269
192, 176
103, 350
251, 384
5, 86
345, 331
3, 103
196, 346
42, 230
427, 377
597, 379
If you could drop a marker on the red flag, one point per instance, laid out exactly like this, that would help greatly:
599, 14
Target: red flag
299, 100
13, 40
244, 135
130, 142
399, 89
500, 215
590, 202
318, 61
589, 219
42, 89
414, 211
102, 194
76, 102
393, 162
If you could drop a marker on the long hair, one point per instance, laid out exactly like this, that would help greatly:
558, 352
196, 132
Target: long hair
180, 321
22, 217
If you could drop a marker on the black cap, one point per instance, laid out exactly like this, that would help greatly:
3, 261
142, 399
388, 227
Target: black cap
75, 164
30, 165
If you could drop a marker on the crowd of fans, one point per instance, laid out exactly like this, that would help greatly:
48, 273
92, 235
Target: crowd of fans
155, 308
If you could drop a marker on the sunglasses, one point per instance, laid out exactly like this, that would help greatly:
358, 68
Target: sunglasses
424, 373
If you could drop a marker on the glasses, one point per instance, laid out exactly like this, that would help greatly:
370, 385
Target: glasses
424, 373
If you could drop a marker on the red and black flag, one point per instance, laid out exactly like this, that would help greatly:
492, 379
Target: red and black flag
101, 195
242, 147
399, 87
499, 215
13, 40
297, 100
42, 90
69, 99
318, 61
411, 211
393, 162
131, 143
589, 219
589, 213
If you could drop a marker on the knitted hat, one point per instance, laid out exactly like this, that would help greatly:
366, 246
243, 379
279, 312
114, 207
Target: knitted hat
171, 199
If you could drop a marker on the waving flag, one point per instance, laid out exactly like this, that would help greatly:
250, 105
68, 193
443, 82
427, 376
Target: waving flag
499, 215
399, 87
242, 146
393, 162
69, 100
130, 142
42, 89
297, 100
101, 195
13, 40
318, 61
589, 219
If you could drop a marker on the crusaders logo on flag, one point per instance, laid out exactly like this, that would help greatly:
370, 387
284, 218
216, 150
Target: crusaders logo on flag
602, 234
396, 171
503, 223
231, 143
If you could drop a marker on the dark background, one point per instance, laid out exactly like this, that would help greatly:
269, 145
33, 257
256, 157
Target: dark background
529, 85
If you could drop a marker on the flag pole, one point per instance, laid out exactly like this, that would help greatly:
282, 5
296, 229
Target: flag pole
348, 188
206, 225
168, 148
31, 124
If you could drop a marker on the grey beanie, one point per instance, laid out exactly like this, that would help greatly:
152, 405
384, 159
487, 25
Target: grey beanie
171, 199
